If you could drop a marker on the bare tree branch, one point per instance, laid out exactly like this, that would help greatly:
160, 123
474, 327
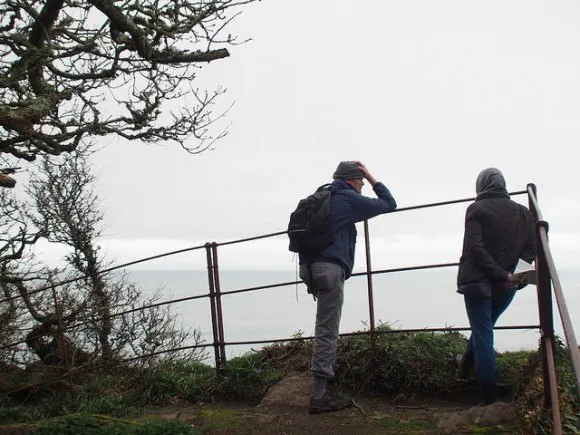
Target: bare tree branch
73, 70
16, 229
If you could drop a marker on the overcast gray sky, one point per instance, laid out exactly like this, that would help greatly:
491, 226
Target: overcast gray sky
425, 93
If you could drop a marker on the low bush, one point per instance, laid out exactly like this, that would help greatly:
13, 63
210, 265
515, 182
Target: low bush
89, 424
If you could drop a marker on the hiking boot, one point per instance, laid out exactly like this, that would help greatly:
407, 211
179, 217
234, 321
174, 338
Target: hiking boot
328, 403
462, 369
489, 393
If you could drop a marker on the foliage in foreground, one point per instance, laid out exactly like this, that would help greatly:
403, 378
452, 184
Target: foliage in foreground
420, 363
126, 392
536, 418
245, 378
100, 425
405, 363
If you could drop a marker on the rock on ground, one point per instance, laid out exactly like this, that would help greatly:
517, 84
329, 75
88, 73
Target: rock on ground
490, 415
291, 391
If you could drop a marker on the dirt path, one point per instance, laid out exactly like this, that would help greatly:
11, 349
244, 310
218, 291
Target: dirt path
380, 418
284, 410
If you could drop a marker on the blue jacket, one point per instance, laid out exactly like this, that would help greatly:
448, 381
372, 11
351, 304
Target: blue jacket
346, 208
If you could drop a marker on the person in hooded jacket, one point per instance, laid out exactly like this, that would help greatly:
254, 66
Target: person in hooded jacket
325, 272
498, 232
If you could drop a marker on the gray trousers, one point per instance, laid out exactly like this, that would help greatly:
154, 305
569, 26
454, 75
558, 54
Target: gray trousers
326, 282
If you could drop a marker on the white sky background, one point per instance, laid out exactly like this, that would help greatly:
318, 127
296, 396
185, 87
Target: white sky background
425, 93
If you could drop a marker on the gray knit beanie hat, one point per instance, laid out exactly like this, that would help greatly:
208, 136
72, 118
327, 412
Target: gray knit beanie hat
347, 170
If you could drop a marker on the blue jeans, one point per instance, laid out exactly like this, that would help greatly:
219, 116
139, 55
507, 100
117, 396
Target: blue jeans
483, 314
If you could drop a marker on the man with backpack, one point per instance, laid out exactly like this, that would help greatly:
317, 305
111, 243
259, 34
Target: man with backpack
325, 271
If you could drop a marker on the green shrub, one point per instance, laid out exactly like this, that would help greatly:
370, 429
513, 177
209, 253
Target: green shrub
513, 366
404, 362
246, 378
17, 413
62, 404
536, 418
169, 381
88, 424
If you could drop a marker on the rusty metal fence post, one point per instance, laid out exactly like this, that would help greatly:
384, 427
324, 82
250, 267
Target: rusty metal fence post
370, 290
212, 301
544, 289
545, 307
218, 305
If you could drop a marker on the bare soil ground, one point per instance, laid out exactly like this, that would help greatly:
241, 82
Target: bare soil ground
381, 417
284, 410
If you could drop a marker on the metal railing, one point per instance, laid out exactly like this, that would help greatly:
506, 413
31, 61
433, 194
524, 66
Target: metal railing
545, 270
546, 276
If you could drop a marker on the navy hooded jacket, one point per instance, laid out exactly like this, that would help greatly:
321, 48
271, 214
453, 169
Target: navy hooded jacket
346, 208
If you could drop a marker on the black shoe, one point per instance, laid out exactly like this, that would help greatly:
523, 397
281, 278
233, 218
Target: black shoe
462, 369
327, 403
489, 393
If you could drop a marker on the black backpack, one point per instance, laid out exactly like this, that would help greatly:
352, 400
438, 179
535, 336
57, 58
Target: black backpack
309, 228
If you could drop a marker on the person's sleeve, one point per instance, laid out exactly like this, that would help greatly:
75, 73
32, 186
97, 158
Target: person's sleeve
474, 247
367, 208
530, 250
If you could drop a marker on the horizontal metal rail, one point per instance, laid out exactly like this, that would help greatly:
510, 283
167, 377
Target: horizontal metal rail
250, 239
453, 201
374, 272
231, 242
236, 291
104, 271
205, 295
379, 331
398, 210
